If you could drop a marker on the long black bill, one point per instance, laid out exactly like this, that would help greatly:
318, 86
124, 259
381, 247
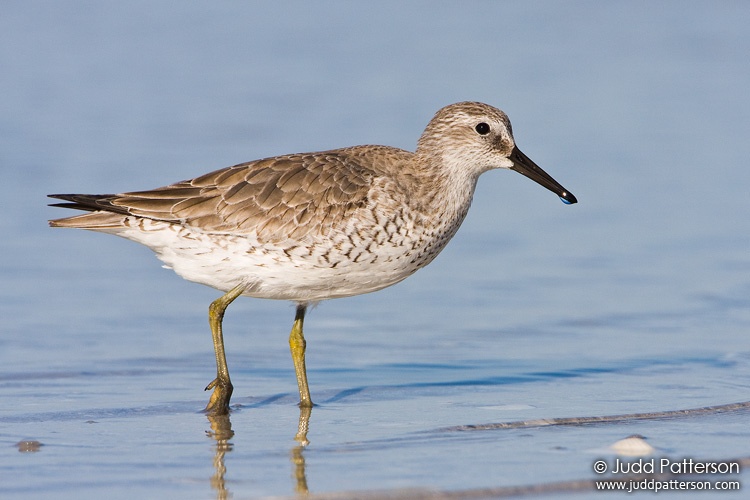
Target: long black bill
523, 165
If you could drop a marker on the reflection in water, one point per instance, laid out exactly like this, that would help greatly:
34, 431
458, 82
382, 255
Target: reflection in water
221, 431
298, 459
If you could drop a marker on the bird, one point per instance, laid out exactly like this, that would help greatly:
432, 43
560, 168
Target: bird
309, 227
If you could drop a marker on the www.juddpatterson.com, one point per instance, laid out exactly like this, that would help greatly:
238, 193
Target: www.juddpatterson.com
673, 484
664, 466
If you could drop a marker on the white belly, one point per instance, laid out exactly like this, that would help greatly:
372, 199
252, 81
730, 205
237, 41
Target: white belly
337, 266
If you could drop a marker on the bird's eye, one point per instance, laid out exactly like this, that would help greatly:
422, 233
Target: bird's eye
482, 128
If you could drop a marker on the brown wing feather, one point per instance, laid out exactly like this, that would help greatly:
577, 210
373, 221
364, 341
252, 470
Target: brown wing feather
276, 197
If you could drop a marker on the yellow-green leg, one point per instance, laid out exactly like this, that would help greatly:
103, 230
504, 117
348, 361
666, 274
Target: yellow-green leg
218, 404
297, 346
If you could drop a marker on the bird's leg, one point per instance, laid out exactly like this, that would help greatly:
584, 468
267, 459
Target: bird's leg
297, 346
218, 404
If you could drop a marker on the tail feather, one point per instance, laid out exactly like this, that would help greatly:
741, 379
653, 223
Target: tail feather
87, 202
104, 213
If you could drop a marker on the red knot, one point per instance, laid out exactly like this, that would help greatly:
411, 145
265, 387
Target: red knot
314, 226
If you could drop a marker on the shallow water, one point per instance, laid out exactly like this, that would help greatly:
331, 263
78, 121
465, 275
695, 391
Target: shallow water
635, 300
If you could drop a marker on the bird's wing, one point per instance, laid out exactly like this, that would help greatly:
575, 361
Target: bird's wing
276, 198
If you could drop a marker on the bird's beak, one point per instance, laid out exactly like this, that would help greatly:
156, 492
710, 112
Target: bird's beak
523, 165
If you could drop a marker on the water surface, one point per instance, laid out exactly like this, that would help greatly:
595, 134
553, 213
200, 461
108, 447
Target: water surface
634, 300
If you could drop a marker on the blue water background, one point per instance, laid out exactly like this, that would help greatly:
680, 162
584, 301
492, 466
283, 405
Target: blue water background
637, 299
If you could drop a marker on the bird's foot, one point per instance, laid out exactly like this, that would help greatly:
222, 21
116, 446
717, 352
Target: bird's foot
218, 404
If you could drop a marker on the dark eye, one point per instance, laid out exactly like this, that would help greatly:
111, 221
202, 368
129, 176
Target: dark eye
482, 128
